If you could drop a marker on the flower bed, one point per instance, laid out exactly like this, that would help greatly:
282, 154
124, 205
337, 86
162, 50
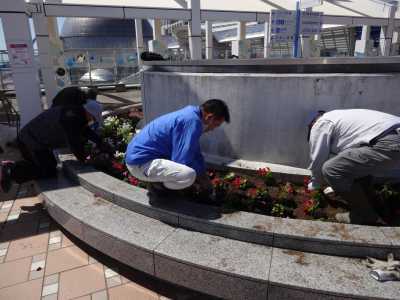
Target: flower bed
260, 193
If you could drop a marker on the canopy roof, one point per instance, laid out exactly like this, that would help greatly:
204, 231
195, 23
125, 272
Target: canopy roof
353, 8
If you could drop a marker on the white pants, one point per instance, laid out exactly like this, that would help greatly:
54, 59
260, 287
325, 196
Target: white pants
174, 176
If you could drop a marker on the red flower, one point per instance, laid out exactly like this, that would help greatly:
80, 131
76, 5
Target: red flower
237, 182
289, 188
309, 205
118, 166
263, 171
133, 180
216, 182
306, 181
252, 193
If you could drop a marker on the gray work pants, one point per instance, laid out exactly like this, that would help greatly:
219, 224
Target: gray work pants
343, 172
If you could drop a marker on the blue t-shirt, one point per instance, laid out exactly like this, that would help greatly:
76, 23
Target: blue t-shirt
174, 136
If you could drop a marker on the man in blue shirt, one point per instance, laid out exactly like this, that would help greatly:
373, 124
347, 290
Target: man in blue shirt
167, 150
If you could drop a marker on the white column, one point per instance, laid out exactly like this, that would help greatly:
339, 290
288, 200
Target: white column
41, 25
19, 45
209, 40
156, 45
267, 41
387, 33
240, 47
363, 45
139, 40
195, 30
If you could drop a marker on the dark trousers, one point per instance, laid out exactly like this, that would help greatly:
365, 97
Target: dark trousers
35, 165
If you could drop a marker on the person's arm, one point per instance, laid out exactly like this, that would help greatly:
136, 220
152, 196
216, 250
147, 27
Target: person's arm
73, 121
186, 146
320, 140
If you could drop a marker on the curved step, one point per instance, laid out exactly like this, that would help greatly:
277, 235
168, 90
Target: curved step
311, 236
213, 265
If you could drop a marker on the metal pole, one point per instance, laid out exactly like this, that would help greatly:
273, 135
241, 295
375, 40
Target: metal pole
90, 68
297, 34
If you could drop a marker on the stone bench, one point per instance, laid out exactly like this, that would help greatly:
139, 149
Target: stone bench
302, 235
210, 264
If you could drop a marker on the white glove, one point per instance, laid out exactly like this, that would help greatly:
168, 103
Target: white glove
312, 186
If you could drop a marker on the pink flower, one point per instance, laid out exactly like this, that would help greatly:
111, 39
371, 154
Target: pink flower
263, 171
133, 180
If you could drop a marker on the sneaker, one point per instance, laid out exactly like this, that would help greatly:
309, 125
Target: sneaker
5, 177
343, 217
157, 189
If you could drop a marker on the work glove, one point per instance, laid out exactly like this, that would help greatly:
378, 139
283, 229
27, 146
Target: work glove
384, 270
312, 186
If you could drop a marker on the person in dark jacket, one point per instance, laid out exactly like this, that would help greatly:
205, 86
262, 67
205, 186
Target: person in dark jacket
71, 95
56, 127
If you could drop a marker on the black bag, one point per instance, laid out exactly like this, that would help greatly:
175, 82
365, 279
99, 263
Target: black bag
149, 56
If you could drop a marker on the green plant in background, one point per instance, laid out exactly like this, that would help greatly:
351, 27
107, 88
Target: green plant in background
125, 132
278, 210
110, 125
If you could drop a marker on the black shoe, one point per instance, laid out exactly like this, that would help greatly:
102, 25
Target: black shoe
158, 189
5, 177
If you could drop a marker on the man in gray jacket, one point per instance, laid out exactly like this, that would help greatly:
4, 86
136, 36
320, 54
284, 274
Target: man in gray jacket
364, 143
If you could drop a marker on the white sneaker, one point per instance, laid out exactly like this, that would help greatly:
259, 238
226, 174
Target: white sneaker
343, 217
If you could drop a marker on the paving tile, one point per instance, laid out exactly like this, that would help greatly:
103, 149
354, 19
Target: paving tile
65, 259
37, 267
50, 289
66, 242
92, 260
113, 281
39, 257
131, 291
30, 290
27, 246
3, 252
17, 271
50, 297
3, 217
110, 272
13, 215
2, 258
102, 295
53, 247
51, 279
28, 204
81, 281
55, 240
14, 231
87, 297
36, 274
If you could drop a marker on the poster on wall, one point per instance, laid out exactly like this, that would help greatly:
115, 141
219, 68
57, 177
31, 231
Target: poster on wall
19, 54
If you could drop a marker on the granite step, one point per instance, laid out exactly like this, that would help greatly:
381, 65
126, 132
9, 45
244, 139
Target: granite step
301, 235
214, 265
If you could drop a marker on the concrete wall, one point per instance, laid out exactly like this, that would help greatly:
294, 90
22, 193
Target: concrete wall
269, 112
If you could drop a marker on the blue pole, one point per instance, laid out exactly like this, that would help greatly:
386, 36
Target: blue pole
297, 34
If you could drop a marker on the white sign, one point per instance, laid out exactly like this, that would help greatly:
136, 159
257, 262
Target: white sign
19, 54
311, 23
283, 25
309, 3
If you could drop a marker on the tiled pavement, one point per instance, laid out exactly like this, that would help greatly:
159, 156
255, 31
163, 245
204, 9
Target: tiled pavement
40, 261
